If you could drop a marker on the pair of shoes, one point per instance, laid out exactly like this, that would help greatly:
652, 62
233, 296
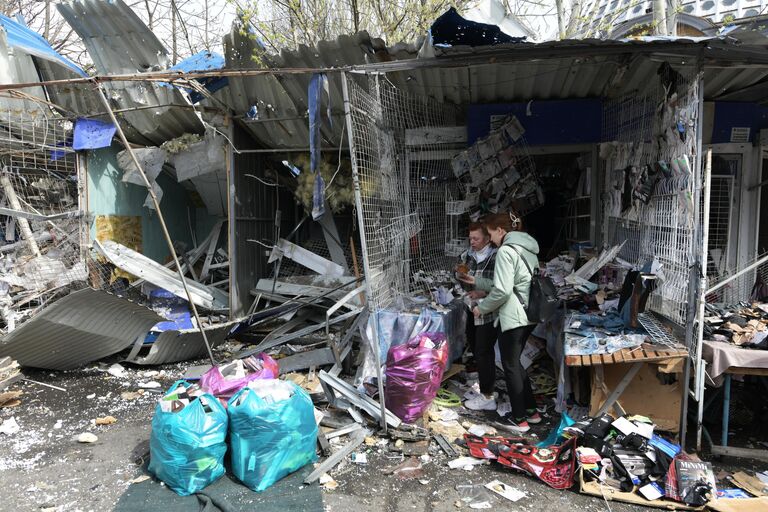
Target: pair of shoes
519, 426
481, 403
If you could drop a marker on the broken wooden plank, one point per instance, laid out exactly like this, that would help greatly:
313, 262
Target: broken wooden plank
331, 462
304, 360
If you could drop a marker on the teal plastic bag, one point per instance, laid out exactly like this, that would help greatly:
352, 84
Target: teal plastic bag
272, 432
187, 447
555, 437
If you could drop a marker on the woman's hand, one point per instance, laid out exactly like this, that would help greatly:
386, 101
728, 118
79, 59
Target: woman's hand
476, 294
464, 278
476, 312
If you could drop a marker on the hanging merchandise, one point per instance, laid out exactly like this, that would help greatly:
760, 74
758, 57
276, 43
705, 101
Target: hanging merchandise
188, 439
414, 372
272, 432
317, 84
224, 381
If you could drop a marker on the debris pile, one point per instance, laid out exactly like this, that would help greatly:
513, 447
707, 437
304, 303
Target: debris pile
745, 325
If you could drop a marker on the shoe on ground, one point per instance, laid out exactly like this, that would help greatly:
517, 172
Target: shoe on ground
534, 419
520, 427
481, 403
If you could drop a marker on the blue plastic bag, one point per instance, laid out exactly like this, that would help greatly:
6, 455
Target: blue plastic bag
187, 447
272, 432
555, 437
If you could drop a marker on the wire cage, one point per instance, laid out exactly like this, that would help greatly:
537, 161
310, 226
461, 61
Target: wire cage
642, 149
42, 256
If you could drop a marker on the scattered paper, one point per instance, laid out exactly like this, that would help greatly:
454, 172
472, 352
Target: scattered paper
87, 437
139, 479
624, 426
116, 370
9, 426
479, 430
465, 463
359, 458
505, 491
149, 385
651, 491
644, 429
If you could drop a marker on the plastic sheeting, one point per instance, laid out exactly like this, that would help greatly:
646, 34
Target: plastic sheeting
187, 447
414, 373
92, 134
272, 432
452, 30
215, 383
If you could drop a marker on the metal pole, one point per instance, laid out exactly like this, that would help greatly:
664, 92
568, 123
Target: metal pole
375, 346
738, 274
160, 217
699, 377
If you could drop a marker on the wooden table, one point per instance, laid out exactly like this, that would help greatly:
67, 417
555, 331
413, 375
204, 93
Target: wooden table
667, 360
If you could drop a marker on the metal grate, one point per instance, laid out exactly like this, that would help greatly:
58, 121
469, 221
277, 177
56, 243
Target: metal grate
720, 204
663, 227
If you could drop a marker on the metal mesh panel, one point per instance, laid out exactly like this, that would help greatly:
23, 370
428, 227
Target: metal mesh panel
41, 257
663, 227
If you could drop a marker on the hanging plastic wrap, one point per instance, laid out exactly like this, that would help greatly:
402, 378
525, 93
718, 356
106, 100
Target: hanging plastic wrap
414, 371
223, 382
272, 432
188, 440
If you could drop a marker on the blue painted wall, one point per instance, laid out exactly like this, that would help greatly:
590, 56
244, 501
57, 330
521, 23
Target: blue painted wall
108, 195
729, 114
545, 122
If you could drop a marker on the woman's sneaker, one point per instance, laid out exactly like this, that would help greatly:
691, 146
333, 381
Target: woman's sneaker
520, 427
534, 419
481, 403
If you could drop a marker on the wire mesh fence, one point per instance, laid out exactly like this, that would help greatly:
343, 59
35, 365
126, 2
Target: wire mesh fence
43, 254
650, 186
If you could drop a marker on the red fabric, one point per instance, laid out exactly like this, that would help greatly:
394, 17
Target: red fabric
554, 465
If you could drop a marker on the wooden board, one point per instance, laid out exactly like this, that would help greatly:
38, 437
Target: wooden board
610, 494
645, 353
645, 395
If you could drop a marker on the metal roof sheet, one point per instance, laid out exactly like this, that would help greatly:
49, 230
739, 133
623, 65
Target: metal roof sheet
31, 42
175, 346
84, 326
120, 43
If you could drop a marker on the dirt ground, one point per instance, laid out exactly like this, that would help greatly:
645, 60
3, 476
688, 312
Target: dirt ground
43, 467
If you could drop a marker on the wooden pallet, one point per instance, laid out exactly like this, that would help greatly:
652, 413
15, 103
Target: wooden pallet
644, 354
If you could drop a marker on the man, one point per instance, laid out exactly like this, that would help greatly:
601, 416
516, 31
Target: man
478, 262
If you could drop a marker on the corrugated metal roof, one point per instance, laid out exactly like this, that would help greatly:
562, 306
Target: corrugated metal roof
175, 346
31, 42
84, 326
281, 101
119, 43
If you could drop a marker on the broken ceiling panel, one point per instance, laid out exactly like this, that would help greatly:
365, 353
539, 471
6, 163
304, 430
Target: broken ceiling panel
120, 43
84, 326
145, 268
175, 346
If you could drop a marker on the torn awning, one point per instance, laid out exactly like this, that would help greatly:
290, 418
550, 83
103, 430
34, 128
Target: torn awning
84, 326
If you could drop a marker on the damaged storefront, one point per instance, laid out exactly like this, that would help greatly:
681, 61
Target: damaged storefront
298, 228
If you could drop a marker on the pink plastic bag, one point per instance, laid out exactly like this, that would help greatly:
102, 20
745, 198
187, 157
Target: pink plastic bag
414, 373
261, 367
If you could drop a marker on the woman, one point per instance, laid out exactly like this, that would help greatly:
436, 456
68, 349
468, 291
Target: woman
508, 298
478, 262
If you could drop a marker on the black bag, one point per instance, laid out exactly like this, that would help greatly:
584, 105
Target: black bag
542, 300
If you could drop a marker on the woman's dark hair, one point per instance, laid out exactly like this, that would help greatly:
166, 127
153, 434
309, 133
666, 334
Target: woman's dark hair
508, 221
477, 226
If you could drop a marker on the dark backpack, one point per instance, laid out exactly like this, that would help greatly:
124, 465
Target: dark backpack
543, 300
